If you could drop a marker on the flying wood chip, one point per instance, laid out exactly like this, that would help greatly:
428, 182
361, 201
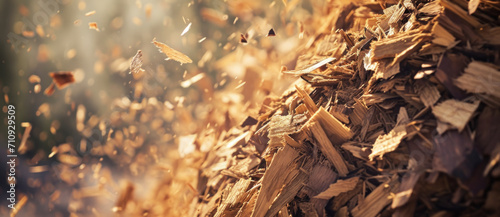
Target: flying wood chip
93, 25
271, 33
171, 53
186, 29
50, 90
243, 39
90, 13
62, 79
136, 64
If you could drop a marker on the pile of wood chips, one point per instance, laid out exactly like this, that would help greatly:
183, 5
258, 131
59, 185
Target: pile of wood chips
396, 112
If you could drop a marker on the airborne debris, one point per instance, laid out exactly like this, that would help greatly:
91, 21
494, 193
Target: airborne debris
186, 29
62, 79
136, 63
271, 33
92, 25
243, 39
187, 83
90, 13
171, 53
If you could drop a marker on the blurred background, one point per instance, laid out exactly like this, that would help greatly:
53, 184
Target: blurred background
111, 133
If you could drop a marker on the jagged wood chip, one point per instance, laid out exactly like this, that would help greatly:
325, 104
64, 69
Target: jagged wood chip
428, 93
454, 112
338, 187
136, 63
388, 142
480, 77
62, 79
93, 25
376, 200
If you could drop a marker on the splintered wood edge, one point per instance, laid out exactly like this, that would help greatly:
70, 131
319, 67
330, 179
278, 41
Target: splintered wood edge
311, 106
338, 187
480, 77
334, 126
273, 179
327, 147
376, 200
454, 112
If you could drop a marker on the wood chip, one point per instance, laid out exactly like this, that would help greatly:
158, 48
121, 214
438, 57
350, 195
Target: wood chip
480, 77
376, 200
19, 205
389, 142
171, 53
454, 112
125, 196
136, 63
274, 178
90, 13
187, 83
271, 33
186, 29
327, 148
473, 6
310, 68
93, 25
338, 187
62, 79
243, 39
